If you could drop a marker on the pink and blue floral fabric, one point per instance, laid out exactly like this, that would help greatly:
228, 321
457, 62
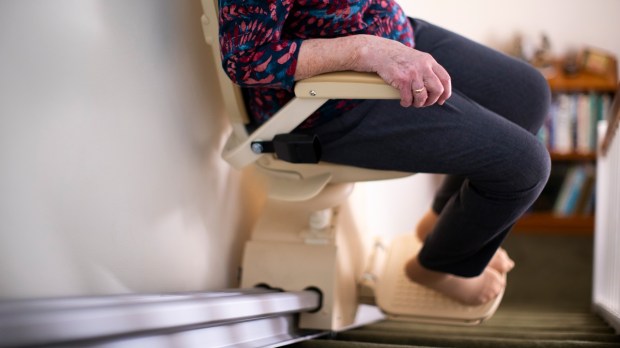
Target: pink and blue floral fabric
260, 42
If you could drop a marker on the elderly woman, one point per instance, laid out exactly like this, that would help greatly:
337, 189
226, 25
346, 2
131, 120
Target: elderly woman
465, 110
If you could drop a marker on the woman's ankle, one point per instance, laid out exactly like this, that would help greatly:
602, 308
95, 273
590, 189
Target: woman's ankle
426, 225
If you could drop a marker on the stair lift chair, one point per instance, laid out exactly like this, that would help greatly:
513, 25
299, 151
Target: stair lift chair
302, 239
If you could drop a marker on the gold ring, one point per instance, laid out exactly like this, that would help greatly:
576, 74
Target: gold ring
418, 91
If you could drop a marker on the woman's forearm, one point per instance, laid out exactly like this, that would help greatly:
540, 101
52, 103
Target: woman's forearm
318, 56
419, 78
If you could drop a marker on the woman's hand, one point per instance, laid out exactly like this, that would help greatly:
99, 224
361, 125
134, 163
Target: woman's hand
419, 78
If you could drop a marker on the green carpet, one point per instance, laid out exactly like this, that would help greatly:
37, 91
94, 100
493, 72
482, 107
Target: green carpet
553, 272
510, 327
546, 304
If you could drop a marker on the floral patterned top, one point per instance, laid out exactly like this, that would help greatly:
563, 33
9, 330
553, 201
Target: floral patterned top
260, 42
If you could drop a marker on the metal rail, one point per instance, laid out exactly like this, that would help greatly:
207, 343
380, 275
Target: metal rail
239, 318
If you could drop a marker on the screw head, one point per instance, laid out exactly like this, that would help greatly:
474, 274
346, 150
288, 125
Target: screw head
257, 148
313, 93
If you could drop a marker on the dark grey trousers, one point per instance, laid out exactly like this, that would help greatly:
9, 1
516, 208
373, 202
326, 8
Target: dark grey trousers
483, 137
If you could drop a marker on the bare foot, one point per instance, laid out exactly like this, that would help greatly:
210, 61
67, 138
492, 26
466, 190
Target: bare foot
471, 291
501, 262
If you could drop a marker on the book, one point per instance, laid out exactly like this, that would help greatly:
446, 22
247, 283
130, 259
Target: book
571, 125
585, 196
563, 124
566, 202
583, 123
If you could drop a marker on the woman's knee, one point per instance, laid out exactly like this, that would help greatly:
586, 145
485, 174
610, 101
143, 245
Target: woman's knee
535, 96
520, 172
531, 167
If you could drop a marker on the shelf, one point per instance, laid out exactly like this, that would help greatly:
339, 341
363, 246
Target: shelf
583, 81
551, 223
573, 156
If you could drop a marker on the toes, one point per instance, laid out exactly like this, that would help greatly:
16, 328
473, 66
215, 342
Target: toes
494, 285
501, 261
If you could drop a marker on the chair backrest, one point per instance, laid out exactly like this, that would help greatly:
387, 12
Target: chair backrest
231, 94
288, 181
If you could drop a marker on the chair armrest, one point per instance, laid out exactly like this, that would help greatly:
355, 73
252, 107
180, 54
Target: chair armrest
238, 151
345, 85
310, 93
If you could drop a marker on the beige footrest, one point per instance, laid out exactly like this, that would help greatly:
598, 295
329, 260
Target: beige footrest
402, 299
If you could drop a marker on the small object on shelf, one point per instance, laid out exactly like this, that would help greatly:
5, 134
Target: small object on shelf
570, 65
538, 54
597, 61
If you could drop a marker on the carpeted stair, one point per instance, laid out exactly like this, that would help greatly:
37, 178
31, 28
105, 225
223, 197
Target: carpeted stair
547, 304
508, 328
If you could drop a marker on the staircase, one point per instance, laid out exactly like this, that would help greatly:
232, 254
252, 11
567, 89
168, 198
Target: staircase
547, 304
510, 328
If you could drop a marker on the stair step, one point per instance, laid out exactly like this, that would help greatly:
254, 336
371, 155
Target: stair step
509, 328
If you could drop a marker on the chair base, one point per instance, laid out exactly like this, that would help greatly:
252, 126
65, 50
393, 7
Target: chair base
284, 252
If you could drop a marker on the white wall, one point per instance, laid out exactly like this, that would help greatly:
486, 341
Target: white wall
568, 23
110, 130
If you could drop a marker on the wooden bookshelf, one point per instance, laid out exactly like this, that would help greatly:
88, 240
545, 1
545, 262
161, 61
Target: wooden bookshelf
548, 222
573, 156
583, 81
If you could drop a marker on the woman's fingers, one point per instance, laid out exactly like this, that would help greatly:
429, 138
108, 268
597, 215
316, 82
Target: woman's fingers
434, 87
434, 90
406, 96
438, 85
417, 75
446, 83
420, 95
